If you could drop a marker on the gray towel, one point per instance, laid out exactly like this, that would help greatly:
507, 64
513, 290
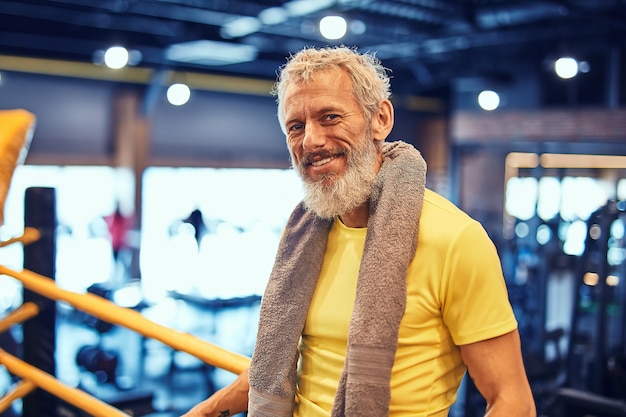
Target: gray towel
390, 244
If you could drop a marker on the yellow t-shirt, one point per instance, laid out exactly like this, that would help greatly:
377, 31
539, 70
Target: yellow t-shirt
455, 295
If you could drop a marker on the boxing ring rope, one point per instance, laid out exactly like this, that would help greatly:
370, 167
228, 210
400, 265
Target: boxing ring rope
20, 390
131, 319
19, 315
33, 377
112, 313
30, 235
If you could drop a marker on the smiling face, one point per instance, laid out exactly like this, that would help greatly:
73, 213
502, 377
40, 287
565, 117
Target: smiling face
333, 145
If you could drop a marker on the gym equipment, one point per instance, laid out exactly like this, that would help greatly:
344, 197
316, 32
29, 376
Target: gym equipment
596, 369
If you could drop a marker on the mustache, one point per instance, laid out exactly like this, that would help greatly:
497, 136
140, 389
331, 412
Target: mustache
310, 157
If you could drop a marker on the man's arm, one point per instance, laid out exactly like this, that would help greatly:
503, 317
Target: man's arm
228, 401
497, 369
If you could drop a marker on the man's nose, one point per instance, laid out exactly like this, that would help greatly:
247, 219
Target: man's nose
313, 137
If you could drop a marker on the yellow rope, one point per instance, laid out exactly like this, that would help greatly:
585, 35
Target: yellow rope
47, 382
131, 319
30, 235
19, 315
20, 390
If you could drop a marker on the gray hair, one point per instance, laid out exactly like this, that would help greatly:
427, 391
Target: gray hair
370, 81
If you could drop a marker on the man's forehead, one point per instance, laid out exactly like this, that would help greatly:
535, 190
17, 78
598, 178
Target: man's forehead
324, 84
326, 96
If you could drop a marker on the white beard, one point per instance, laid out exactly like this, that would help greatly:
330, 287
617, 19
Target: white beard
345, 192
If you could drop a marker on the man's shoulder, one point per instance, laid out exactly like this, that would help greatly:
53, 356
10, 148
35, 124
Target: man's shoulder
443, 218
442, 221
438, 204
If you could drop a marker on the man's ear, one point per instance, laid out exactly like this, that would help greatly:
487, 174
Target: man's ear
382, 121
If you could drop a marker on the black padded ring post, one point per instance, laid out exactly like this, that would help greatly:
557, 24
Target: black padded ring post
39, 332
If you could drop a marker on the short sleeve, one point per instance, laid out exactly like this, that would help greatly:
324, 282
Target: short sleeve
475, 303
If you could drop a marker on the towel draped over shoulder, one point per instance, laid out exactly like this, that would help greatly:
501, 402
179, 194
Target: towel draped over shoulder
390, 245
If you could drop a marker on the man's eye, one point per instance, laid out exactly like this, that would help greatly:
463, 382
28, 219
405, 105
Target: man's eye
295, 127
331, 117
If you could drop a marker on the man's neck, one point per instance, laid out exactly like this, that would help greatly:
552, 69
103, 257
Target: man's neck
357, 217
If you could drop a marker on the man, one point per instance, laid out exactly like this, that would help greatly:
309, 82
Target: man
383, 293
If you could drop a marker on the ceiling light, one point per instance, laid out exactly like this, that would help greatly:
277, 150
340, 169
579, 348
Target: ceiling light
488, 100
116, 57
306, 7
566, 67
178, 94
273, 16
134, 57
358, 27
240, 27
333, 27
211, 53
